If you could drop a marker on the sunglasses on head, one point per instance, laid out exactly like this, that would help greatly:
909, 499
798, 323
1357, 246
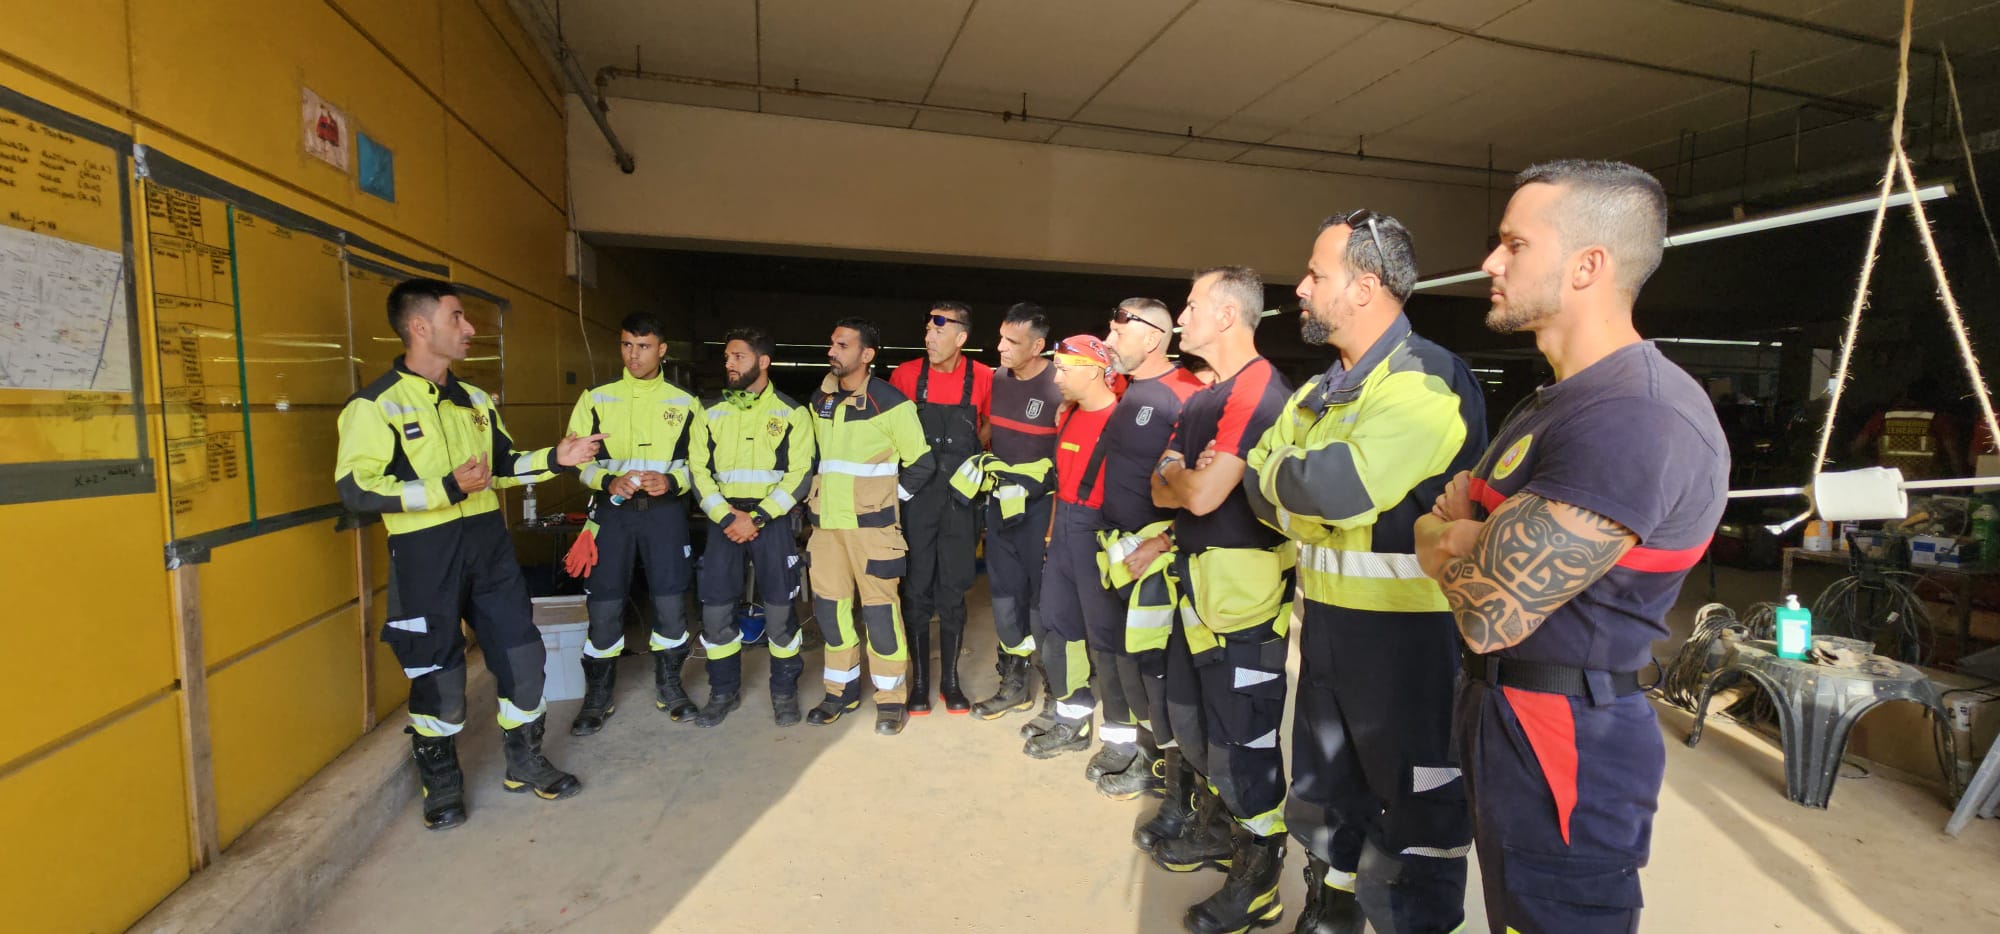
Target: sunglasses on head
1121, 316
942, 320
1354, 222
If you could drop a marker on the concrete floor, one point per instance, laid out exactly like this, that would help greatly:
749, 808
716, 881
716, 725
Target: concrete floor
949, 828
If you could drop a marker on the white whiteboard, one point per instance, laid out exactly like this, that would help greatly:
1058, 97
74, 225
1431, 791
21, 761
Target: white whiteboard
63, 319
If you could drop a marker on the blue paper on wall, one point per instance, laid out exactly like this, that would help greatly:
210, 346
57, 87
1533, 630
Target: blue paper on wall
378, 167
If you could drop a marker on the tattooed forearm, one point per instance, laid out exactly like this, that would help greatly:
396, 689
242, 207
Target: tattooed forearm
1533, 556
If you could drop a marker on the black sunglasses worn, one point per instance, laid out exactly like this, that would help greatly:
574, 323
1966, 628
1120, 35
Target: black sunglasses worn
942, 320
1121, 316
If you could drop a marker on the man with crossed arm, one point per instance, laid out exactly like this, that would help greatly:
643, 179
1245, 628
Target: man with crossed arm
1562, 552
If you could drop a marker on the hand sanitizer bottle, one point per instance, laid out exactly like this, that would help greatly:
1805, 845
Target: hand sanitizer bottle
1794, 629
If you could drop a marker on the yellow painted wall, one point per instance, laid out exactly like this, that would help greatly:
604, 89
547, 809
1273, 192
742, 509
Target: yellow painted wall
92, 780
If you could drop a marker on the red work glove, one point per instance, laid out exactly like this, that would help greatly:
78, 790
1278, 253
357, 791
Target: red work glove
582, 556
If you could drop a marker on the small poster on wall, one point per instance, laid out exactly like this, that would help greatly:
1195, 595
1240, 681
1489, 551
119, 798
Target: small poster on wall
325, 130
378, 167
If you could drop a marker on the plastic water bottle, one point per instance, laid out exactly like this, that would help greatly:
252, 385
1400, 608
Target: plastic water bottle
617, 500
1986, 530
1794, 629
528, 505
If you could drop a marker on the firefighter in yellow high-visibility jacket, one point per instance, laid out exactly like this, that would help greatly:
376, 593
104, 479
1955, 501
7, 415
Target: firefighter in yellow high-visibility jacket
426, 451
873, 456
751, 459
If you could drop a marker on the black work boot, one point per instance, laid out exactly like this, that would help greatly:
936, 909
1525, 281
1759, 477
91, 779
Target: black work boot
1061, 737
1249, 897
919, 703
949, 643
785, 690
528, 769
891, 718
1013, 693
1204, 841
1044, 720
725, 689
1111, 758
1172, 818
834, 705
600, 683
718, 707
1146, 774
1328, 910
667, 682
442, 782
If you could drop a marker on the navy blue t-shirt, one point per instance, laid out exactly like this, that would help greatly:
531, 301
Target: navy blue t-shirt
1024, 416
1634, 439
1138, 434
1234, 414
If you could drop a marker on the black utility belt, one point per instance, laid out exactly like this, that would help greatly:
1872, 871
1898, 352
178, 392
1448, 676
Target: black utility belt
640, 502
1549, 678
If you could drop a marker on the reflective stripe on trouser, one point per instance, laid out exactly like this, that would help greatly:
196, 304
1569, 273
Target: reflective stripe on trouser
1113, 677
1014, 562
1239, 691
670, 627
607, 628
1376, 786
723, 645
781, 631
943, 536
854, 576
653, 541
1545, 868
774, 560
463, 569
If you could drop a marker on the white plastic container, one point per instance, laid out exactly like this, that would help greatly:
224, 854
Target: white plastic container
565, 626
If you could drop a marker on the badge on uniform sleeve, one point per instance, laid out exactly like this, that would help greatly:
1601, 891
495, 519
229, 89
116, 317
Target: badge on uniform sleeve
1512, 458
1034, 408
412, 431
1145, 415
479, 421
775, 427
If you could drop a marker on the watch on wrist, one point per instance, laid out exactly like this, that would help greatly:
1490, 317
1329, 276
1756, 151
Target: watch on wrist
757, 519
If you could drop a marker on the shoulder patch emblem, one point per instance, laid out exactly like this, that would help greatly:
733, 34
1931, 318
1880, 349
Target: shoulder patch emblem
775, 427
1512, 459
479, 421
1145, 415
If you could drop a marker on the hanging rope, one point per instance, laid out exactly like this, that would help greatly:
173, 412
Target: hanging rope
1898, 169
1965, 146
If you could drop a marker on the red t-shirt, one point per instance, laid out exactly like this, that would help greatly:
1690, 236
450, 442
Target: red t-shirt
947, 388
1077, 438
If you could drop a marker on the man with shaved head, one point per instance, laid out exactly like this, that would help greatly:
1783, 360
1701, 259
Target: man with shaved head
1563, 550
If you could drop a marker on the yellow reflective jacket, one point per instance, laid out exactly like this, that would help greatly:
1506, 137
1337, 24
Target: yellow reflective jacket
872, 455
1357, 457
645, 424
751, 452
403, 435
